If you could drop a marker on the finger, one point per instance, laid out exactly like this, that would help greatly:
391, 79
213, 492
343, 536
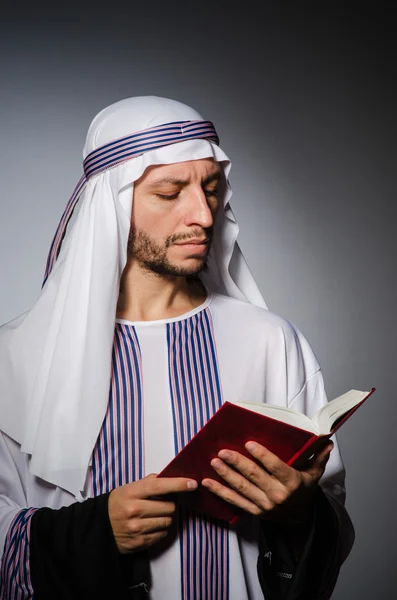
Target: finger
319, 461
260, 496
160, 486
324, 454
271, 463
232, 497
150, 525
129, 545
151, 538
152, 508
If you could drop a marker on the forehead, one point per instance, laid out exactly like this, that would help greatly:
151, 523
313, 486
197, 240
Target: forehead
190, 170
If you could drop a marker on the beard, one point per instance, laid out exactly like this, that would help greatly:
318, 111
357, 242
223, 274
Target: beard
152, 256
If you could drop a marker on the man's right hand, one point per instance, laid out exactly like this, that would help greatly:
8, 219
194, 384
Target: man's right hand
138, 518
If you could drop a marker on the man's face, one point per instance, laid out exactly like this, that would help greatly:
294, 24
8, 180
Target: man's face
172, 219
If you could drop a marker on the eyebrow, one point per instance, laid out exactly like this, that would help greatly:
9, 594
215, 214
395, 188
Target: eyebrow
175, 181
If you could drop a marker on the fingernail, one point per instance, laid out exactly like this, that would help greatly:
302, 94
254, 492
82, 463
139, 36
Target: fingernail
192, 485
224, 454
251, 446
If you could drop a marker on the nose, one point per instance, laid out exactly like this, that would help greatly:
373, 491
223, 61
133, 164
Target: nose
199, 211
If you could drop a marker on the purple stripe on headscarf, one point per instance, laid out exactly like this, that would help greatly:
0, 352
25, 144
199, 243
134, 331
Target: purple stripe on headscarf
150, 135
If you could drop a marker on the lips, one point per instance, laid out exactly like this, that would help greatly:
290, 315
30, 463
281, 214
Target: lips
194, 242
194, 247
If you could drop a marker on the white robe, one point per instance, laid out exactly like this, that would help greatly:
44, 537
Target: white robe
261, 358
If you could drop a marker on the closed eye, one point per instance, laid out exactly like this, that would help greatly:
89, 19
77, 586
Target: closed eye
164, 197
175, 196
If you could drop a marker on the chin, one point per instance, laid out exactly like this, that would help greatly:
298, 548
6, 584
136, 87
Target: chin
189, 268
196, 264
183, 268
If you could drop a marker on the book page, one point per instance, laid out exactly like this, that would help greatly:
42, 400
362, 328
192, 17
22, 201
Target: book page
331, 412
281, 413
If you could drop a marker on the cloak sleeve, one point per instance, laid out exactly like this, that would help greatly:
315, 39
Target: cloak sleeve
302, 561
15, 579
15, 519
73, 555
68, 554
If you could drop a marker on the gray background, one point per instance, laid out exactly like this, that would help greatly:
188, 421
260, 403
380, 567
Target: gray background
303, 99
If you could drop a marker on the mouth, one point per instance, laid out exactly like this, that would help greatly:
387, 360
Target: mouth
193, 241
197, 246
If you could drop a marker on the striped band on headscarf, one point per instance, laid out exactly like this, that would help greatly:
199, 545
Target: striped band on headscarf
114, 153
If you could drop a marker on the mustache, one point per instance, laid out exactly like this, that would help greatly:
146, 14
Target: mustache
195, 233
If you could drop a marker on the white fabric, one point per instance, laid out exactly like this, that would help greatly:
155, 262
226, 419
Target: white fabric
262, 358
55, 360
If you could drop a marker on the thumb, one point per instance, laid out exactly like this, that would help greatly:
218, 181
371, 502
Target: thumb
319, 460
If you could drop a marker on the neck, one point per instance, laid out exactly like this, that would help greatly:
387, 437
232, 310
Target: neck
147, 296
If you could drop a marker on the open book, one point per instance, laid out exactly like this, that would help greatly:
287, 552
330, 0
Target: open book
291, 435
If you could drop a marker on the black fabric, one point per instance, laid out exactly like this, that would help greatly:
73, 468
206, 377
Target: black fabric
73, 555
301, 561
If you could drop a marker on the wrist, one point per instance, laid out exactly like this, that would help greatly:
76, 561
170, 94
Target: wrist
298, 513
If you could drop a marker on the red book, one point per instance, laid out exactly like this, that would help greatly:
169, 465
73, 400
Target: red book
291, 435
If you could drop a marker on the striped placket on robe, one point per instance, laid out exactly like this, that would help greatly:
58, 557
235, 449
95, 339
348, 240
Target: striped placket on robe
15, 580
195, 395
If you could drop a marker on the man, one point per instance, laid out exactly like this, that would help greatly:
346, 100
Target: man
148, 320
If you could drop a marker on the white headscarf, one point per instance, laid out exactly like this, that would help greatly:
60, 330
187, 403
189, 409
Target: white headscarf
55, 360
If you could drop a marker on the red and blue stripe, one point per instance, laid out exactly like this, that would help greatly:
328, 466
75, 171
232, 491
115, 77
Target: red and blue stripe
118, 457
196, 395
15, 580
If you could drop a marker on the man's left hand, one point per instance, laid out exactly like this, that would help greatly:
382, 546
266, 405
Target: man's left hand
273, 488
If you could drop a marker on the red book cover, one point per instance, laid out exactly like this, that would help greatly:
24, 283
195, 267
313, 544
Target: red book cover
230, 428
